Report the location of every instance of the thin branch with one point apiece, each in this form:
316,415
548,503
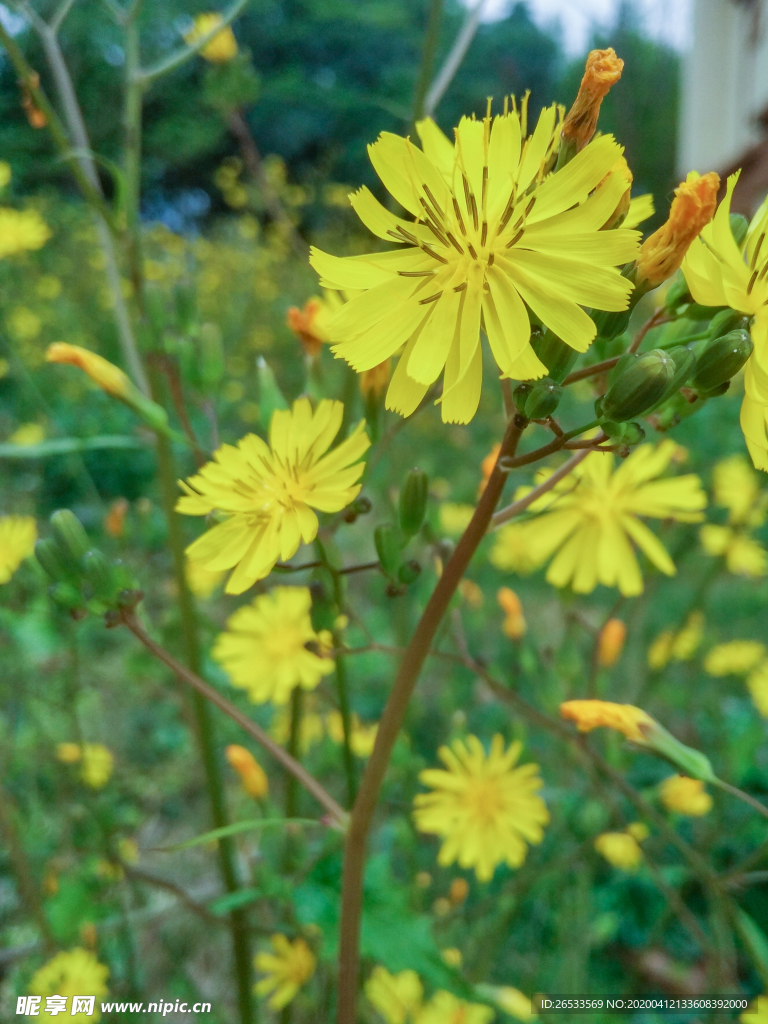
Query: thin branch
741,795
336,812
452,62
148,75
56,21
140,875
591,371
659,317
522,503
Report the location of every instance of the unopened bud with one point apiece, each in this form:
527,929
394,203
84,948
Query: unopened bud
49,555
409,572
610,643
543,399
727,320
685,360
413,502
66,595
640,385
721,359
520,395
252,775
70,535
555,354
97,572
387,543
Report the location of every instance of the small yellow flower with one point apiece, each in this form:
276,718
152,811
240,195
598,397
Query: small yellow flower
452,956
21,230
485,810
685,796
110,378
17,542
620,849
736,657
638,830
458,891
692,209
514,625
75,972
632,722
270,492
397,997
471,593
27,434
681,646
454,517
610,643
222,47
287,968
202,581
744,556
362,737
757,684
445,1008
736,487
264,648
602,72
252,775
97,763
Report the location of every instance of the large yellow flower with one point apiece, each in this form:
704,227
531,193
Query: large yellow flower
593,515
494,232
718,273
268,492
482,807
17,542
75,972
287,968
264,648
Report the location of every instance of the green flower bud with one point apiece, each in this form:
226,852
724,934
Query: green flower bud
413,502
739,225
211,356
520,394
98,575
66,595
639,386
70,535
611,325
684,359
721,359
409,572
555,354
727,320
49,555
543,399
633,433
687,760
695,311
388,546
270,395
714,392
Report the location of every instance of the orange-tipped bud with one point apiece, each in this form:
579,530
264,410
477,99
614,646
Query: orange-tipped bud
374,382
35,116
252,775
603,70
692,209
458,891
633,722
514,625
611,642
307,325
108,376
114,520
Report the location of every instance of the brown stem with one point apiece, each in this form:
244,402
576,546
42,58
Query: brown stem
140,875
311,784
392,720
591,371
522,503
659,317
171,374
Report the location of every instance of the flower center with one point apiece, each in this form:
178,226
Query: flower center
484,800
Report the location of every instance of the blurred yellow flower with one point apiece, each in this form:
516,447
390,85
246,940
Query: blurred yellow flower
744,556
638,830
677,646
610,642
97,763
311,728
452,956
632,722
620,849
264,648
17,542
494,232
757,684
510,1000
75,972
110,378
514,625
222,47
484,809
397,997
454,517
445,1008
68,753
736,487
5,173
458,891
593,515
27,434
252,775
685,796
736,657
269,492
471,593
287,968
21,230
362,737
202,581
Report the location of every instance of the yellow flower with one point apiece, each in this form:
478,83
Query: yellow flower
485,810
494,233
677,646
620,849
736,657
692,209
264,649
397,997
252,775
624,718
640,209
719,273
269,491
68,753
75,972
603,70
757,1013
445,1008
514,625
362,737
593,516
110,378
201,581
458,891
610,642
222,47
511,1000
17,542
736,487
638,830
685,796
288,967
27,434
454,517
757,684
744,556
21,230
97,763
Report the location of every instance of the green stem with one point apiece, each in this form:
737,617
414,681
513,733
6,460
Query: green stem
391,723
132,125
741,795
431,39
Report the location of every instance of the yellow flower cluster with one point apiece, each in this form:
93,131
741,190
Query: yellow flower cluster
743,658
736,487
399,999
289,966
680,645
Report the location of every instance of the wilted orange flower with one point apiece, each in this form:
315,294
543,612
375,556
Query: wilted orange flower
624,718
692,209
603,70
252,775
611,642
514,625
307,325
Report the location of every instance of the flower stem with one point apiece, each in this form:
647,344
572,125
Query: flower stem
428,53
392,720
25,879
291,789
741,795
343,692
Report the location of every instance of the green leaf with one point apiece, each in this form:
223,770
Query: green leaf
235,900
233,829
755,942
